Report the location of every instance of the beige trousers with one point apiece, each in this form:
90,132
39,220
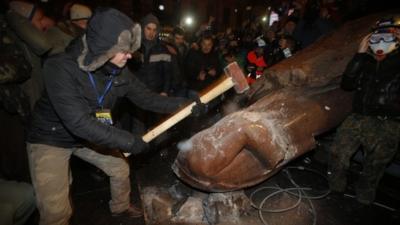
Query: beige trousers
50,172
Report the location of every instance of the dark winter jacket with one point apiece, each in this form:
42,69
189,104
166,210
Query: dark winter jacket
178,81
156,69
376,84
197,61
64,116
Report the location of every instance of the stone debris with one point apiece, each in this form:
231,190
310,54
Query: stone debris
169,206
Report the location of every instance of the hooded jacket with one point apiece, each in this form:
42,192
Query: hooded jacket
64,116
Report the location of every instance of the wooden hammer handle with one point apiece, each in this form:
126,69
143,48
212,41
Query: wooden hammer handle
206,97
217,90
172,120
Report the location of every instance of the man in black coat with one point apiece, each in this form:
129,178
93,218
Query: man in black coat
178,48
202,66
82,86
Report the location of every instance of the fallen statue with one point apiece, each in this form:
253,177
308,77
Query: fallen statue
248,146
296,100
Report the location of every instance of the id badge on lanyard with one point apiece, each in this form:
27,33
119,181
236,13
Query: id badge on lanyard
102,115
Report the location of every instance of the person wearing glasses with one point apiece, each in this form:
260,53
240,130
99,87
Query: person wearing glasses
373,75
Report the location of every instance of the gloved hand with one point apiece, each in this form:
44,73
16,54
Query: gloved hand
198,109
139,146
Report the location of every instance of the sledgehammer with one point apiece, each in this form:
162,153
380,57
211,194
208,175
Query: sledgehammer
233,77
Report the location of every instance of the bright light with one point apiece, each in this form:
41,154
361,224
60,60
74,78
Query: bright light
248,8
236,10
188,20
161,7
264,18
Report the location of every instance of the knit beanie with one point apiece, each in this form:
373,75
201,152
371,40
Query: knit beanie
79,12
150,18
24,9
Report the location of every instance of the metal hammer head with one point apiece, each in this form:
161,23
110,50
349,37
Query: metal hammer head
239,79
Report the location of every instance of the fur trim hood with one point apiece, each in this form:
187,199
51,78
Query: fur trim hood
109,31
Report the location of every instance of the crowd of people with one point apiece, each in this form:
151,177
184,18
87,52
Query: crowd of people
62,81
254,45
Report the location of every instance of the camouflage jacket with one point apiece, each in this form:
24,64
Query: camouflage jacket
14,70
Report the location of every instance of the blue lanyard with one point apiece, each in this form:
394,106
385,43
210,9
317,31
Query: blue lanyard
100,98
